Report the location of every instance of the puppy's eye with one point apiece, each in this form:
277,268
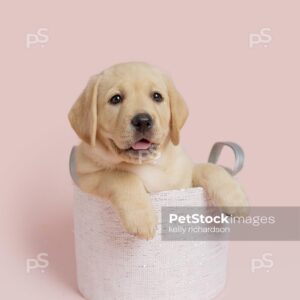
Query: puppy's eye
157,97
116,99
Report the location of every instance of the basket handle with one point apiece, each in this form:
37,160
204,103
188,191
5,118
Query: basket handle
72,166
238,154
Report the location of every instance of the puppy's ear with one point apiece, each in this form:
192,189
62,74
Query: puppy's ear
179,112
83,114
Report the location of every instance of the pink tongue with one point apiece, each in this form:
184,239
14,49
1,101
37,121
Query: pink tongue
141,145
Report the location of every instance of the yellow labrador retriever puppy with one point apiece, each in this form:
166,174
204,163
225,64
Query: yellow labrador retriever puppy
128,118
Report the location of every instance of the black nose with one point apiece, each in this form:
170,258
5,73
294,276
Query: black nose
142,122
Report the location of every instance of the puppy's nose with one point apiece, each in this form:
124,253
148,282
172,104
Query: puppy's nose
142,122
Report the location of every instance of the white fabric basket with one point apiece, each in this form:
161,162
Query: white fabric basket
113,265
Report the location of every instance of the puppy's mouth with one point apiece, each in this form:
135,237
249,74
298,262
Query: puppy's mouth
141,150
142,144
142,147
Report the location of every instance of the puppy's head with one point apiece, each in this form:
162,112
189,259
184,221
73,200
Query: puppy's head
131,109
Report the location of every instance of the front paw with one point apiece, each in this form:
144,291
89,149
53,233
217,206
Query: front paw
221,188
233,200
140,220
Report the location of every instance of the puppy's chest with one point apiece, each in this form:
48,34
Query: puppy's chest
156,179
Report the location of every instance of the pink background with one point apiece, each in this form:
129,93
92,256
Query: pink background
234,92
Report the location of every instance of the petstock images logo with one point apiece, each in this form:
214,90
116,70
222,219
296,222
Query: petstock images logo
209,223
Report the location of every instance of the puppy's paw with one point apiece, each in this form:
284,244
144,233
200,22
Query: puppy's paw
233,200
221,188
140,221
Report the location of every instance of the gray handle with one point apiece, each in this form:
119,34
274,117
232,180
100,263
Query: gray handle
238,154
72,165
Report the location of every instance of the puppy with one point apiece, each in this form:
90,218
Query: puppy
129,119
